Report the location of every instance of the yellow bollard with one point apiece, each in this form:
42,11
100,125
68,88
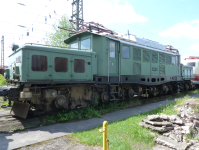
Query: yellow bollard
105,135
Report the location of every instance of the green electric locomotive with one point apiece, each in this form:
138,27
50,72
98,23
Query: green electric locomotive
113,68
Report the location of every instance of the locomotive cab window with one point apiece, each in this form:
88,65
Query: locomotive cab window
79,65
74,45
61,64
112,49
39,63
173,60
86,44
125,52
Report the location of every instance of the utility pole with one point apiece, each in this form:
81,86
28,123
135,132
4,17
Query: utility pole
2,52
77,13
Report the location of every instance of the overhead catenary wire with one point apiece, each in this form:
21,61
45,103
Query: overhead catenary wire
28,13
21,18
23,26
4,33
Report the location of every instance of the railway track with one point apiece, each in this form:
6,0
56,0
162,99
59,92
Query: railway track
9,123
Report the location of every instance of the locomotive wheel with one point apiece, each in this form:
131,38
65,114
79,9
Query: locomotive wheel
131,93
105,97
61,102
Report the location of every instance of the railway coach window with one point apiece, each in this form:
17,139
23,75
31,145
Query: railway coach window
86,44
39,63
112,49
61,64
79,65
192,64
125,52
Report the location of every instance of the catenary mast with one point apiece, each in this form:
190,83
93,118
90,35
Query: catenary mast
77,13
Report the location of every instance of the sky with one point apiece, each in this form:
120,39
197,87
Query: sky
169,22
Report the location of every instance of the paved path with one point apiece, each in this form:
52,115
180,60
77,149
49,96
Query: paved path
39,134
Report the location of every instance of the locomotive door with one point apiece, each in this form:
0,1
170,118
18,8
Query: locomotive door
81,68
112,57
40,66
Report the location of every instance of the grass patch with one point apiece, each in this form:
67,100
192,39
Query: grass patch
127,134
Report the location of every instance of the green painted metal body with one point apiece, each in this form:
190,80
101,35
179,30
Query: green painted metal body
101,64
22,59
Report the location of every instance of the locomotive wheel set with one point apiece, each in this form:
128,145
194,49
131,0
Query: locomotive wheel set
95,65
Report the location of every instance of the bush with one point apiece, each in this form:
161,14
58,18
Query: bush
2,80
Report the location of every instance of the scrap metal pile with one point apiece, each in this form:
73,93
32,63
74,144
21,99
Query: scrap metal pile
175,129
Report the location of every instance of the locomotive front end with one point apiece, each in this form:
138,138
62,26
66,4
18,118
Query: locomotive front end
42,79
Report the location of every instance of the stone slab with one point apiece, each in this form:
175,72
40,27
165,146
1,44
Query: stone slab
163,140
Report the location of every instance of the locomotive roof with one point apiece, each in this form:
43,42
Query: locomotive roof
134,40
40,47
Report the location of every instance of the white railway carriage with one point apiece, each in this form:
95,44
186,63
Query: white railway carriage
193,61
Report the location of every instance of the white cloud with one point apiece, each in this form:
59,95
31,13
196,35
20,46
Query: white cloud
105,12
194,47
188,29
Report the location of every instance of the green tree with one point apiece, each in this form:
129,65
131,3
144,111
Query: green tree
2,80
59,35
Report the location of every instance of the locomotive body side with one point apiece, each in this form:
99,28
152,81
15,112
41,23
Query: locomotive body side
102,67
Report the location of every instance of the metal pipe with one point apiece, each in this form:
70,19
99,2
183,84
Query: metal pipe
104,130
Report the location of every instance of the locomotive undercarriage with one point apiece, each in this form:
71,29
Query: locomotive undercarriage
40,99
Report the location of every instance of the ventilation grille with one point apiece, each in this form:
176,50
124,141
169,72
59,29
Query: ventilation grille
146,56
154,57
162,58
136,68
136,54
162,69
168,59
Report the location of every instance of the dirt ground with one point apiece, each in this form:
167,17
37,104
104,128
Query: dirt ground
61,143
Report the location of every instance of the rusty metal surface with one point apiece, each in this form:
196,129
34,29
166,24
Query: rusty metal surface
89,26
20,109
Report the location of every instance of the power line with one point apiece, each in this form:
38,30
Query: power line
21,18
27,12
20,35
23,26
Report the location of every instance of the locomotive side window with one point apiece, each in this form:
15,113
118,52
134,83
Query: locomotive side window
112,49
192,64
79,65
74,45
61,64
125,52
86,44
39,63
173,60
